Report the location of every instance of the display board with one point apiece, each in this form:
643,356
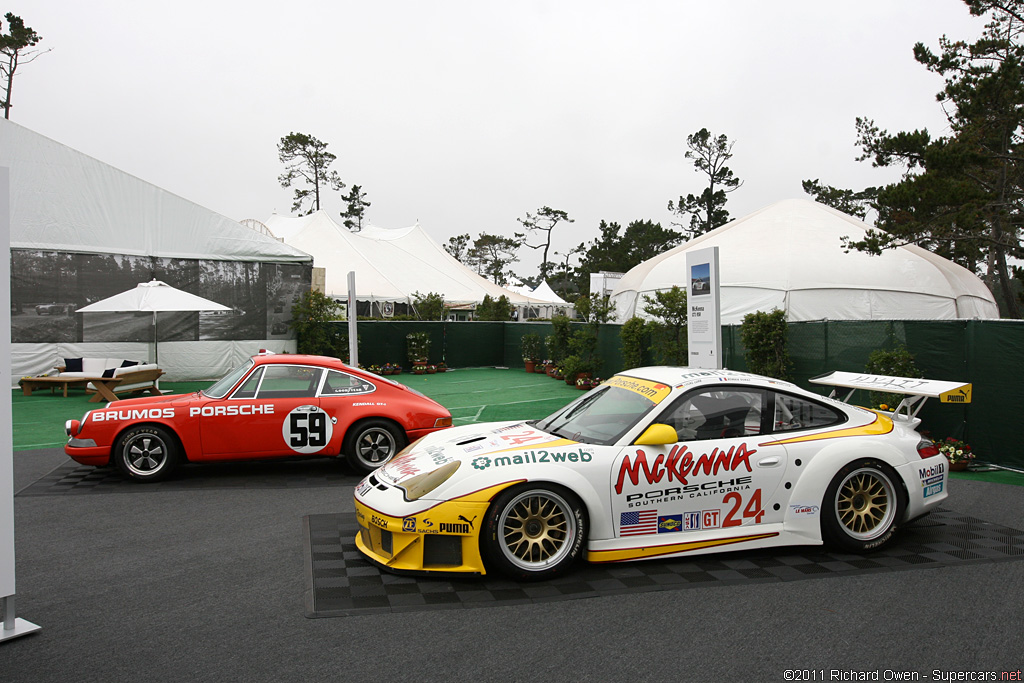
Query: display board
704,326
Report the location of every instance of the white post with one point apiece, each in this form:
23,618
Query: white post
704,318
13,627
353,338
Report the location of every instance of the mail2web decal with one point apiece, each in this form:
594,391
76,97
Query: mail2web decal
307,429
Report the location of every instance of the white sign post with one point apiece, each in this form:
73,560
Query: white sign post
704,325
353,335
12,626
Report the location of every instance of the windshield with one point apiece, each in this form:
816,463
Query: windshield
599,417
222,387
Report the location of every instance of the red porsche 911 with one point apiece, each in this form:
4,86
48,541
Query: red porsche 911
271,406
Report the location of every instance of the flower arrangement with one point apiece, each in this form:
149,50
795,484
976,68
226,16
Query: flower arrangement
956,451
376,369
431,369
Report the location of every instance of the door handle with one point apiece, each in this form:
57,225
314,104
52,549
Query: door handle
773,461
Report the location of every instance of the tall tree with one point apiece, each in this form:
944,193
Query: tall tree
356,204
491,256
14,48
543,222
617,253
458,246
707,210
306,159
849,202
962,195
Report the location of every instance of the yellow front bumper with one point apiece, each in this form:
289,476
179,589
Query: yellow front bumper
445,538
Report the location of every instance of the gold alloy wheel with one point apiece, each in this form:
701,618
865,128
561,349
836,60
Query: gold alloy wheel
866,503
537,529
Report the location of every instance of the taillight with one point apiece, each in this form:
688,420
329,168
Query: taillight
927,449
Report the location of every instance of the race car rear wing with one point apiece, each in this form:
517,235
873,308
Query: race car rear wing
915,390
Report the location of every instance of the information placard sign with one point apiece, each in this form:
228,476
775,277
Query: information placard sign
704,324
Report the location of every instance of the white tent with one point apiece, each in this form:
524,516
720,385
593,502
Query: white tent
390,265
82,230
788,255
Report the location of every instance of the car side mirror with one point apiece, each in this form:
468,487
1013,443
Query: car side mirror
657,435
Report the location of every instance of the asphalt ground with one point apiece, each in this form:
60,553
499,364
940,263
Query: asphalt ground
207,584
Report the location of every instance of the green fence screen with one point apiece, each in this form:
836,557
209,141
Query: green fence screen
987,353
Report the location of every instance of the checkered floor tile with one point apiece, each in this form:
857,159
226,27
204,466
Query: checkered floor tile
73,479
340,583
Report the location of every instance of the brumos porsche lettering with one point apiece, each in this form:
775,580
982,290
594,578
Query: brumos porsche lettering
133,414
247,409
680,463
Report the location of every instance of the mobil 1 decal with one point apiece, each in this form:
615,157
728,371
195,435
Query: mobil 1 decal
307,429
673,490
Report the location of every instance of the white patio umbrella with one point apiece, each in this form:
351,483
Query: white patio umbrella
155,296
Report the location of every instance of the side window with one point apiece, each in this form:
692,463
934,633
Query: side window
342,384
716,414
798,413
289,381
249,387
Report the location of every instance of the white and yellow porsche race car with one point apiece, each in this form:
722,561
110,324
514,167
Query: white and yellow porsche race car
657,462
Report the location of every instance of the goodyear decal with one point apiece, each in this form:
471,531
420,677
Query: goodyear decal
655,391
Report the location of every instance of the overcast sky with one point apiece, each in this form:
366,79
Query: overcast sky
465,115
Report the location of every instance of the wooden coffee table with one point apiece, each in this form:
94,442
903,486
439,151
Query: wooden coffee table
104,385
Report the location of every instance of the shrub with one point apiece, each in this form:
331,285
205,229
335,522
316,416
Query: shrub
764,337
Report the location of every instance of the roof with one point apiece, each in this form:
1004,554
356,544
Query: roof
390,265
64,200
788,255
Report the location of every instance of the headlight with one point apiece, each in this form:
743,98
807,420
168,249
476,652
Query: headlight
422,484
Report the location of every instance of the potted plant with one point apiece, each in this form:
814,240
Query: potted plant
417,346
530,345
442,367
431,369
957,452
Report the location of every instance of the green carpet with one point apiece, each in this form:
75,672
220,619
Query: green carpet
471,394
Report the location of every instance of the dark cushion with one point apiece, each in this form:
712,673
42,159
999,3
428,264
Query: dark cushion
109,372
72,364
129,363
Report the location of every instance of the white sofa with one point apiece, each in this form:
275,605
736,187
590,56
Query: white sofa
136,376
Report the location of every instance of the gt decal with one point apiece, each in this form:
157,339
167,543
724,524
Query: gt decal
247,409
307,429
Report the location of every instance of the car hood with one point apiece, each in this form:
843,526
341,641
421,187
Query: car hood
470,444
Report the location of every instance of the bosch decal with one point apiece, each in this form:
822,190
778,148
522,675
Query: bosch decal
247,409
136,414
483,462
680,463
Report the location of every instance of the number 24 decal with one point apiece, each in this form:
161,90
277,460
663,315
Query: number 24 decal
752,510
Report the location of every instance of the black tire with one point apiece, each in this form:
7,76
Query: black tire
862,506
371,443
148,453
533,532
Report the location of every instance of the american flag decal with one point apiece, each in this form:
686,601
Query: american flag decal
637,523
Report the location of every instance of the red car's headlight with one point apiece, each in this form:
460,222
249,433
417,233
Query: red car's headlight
443,422
72,427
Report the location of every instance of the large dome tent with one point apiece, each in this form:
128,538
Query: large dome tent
789,256
391,265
